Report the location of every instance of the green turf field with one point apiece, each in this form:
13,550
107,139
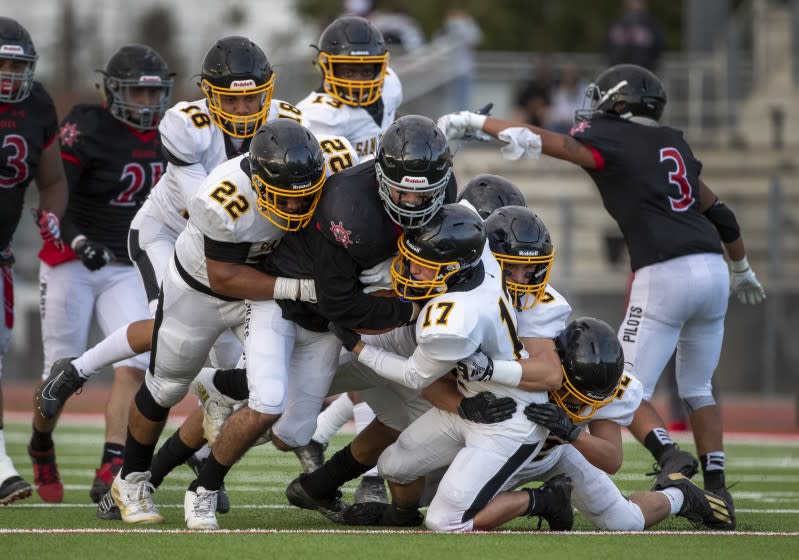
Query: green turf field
765,474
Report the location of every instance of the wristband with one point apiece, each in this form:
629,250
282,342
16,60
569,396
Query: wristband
507,372
285,288
75,242
741,265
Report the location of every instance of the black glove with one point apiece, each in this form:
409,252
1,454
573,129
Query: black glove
486,408
554,418
477,367
348,338
93,255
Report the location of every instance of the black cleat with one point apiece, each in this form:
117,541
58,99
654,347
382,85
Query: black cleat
329,507
725,495
370,489
311,456
700,507
107,509
222,499
62,383
13,489
674,460
557,493
380,514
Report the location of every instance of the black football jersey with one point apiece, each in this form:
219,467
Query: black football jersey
110,168
349,232
648,178
26,129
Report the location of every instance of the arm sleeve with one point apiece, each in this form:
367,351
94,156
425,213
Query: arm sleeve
340,296
416,372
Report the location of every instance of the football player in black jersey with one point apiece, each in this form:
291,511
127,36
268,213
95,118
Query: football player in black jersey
674,227
28,151
112,157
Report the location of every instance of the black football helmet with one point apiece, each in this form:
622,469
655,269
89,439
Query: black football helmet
132,68
489,192
593,364
413,165
518,237
450,244
16,44
237,67
352,40
639,89
287,170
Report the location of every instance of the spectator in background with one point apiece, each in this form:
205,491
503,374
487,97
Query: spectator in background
461,29
637,38
400,30
534,97
567,97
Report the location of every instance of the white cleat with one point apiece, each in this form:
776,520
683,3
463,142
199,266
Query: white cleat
199,509
133,496
216,406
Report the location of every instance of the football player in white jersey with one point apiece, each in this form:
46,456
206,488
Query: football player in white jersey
584,446
237,81
359,94
239,214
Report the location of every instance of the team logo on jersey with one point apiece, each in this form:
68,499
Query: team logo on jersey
579,127
341,234
68,134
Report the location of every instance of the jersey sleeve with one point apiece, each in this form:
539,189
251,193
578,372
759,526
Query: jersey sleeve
599,135
186,132
392,91
76,131
210,218
445,329
416,372
280,109
323,115
546,319
628,397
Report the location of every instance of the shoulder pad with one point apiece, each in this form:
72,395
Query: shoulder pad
79,124
280,109
392,91
186,131
323,114
445,327
338,152
547,318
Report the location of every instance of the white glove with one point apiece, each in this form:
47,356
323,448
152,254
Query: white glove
456,125
288,288
377,277
744,283
520,142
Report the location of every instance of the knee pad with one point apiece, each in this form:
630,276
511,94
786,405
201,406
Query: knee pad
701,401
623,515
268,397
148,407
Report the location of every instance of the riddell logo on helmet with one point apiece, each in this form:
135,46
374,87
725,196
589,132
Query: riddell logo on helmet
525,253
300,186
359,53
11,49
407,180
415,248
242,84
150,80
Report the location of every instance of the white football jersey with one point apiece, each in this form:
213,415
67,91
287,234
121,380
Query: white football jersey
323,114
547,318
623,407
224,209
188,132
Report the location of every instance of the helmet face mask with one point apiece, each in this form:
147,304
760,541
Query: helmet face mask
593,364
413,167
16,45
287,171
238,83
627,90
438,255
354,42
520,242
137,86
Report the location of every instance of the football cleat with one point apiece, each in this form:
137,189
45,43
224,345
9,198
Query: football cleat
103,478
700,507
216,406
61,384
311,456
329,507
674,460
725,495
380,514
556,492
370,489
133,497
107,509
222,498
199,509
13,489
45,475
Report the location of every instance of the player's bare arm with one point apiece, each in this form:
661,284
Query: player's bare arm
542,370
601,445
239,280
51,181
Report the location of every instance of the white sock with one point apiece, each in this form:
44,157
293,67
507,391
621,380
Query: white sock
676,498
7,469
363,416
332,418
114,348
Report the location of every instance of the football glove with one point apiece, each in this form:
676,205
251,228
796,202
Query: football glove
456,125
93,255
377,277
486,408
49,225
555,419
477,367
744,283
348,338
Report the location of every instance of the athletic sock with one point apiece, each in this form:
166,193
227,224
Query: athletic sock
658,442
333,418
342,467
114,348
173,453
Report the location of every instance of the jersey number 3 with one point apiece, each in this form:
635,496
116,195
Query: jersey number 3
679,180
